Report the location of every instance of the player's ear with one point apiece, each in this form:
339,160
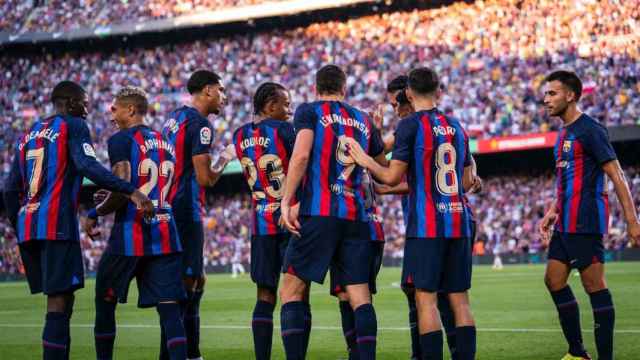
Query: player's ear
410,95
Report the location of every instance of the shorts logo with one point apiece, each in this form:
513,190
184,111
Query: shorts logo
88,150
442,207
566,146
205,136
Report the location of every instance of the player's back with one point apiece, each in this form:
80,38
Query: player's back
333,185
152,160
264,149
439,155
191,134
51,180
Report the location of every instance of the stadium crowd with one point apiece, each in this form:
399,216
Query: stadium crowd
508,210
492,56
66,15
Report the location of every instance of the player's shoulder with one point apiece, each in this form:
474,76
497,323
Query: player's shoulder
278,125
69,120
308,107
591,123
240,130
120,137
585,126
410,122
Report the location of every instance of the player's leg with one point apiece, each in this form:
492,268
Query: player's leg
262,322
429,326
590,259
410,293
448,322
353,261
292,323
456,281
160,286
346,313
555,278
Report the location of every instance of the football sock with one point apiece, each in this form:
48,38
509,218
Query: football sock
192,323
366,331
431,344
104,330
349,329
68,313
466,343
262,327
448,322
604,318
413,326
307,328
569,314
293,329
174,330
55,336
164,354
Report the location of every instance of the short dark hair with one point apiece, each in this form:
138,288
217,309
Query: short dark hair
423,81
66,90
398,83
330,79
134,95
568,79
266,92
200,79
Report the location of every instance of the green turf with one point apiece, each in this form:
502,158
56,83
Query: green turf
515,317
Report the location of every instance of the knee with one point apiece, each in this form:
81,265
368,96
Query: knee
293,289
200,283
62,303
593,285
554,284
267,295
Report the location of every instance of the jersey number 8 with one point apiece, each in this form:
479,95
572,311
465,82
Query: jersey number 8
446,170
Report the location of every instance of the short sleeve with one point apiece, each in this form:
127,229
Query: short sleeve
376,146
467,150
201,135
304,118
404,142
119,148
596,142
288,136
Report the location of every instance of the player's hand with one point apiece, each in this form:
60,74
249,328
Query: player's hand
477,185
229,152
143,202
99,196
357,153
91,228
378,116
545,226
633,230
290,217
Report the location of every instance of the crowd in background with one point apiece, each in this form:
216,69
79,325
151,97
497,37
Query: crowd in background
507,212
66,15
491,55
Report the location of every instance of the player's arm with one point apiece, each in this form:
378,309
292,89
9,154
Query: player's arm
390,175
84,158
389,141
207,172
13,191
297,169
114,200
546,224
621,187
400,189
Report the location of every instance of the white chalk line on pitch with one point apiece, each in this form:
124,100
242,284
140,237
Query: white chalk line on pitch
329,328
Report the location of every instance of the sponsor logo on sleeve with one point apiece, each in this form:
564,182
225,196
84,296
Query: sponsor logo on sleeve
88,150
205,136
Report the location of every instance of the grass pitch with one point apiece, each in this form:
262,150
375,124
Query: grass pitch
515,316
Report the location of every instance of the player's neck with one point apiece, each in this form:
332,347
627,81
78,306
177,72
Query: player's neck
202,108
571,115
424,104
332,97
133,123
259,118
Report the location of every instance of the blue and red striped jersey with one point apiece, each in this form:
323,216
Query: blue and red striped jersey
191,134
371,208
264,150
50,162
152,161
582,200
333,182
436,149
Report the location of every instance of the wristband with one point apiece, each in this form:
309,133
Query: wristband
93,214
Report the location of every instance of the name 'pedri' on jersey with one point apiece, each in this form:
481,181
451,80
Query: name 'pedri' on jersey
436,148
582,200
264,150
50,162
191,134
333,182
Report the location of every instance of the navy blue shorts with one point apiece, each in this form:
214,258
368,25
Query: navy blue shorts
578,251
52,266
330,241
267,254
437,264
192,239
159,278
377,252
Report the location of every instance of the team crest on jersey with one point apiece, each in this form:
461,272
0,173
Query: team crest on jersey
205,136
88,150
566,146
